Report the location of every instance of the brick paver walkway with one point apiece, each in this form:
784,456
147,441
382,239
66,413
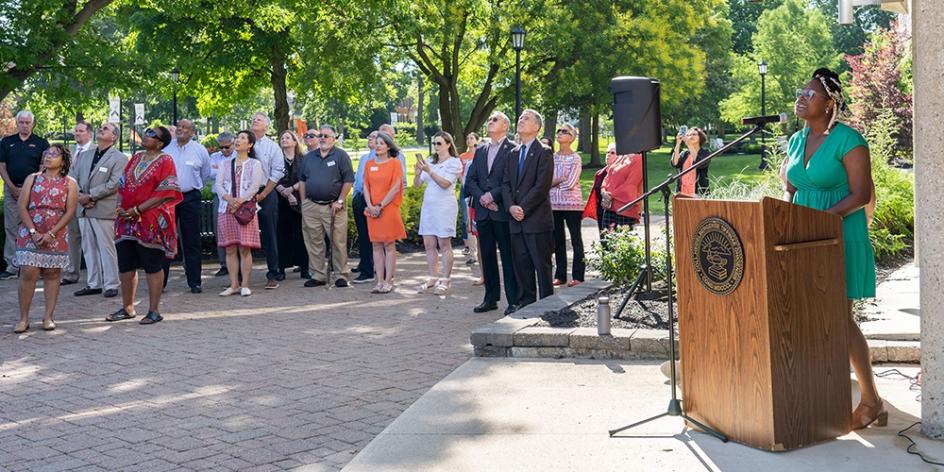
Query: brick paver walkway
284,379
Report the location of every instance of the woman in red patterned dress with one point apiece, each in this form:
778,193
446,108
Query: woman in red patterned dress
41,244
145,233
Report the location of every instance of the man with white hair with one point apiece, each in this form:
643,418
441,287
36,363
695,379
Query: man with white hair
20,156
226,141
273,167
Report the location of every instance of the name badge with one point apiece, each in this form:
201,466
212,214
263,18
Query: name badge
374,168
189,163
103,169
330,163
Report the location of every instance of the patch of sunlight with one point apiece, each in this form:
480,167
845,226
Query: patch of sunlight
128,386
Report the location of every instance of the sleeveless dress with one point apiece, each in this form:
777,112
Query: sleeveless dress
822,183
378,179
440,207
47,205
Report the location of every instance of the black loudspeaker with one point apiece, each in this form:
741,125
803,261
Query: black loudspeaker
637,116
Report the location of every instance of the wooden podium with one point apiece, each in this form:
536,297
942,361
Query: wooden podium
766,363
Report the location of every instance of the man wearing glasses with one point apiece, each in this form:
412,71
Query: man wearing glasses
312,140
97,171
484,186
325,179
225,141
20,156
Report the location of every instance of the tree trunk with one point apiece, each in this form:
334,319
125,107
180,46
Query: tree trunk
550,125
277,61
594,141
420,132
584,130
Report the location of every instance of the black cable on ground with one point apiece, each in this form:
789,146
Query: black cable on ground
911,447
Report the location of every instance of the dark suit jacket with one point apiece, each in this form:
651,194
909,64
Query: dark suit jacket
480,181
531,190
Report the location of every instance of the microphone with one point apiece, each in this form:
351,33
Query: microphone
763,120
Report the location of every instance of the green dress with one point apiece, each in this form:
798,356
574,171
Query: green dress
822,184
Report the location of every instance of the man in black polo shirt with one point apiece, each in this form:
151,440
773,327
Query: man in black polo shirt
326,177
20,156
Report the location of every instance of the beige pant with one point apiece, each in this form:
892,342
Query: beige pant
101,257
316,222
11,222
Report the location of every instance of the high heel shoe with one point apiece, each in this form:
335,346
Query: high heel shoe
864,415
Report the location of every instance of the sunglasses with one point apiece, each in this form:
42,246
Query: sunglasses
565,131
439,143
312,135
326,136
226,147
51,153
493,119
150,133
808,94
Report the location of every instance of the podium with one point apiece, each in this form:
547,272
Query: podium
763,320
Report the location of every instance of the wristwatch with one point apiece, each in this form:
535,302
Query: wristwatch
341,202
32,230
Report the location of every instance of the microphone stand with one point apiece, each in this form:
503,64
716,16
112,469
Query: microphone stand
675,405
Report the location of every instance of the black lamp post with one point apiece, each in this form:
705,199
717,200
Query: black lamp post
762,69
517,42
175,74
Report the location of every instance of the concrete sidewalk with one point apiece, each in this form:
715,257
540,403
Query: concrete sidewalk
514,415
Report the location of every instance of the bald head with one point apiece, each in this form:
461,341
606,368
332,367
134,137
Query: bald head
185,131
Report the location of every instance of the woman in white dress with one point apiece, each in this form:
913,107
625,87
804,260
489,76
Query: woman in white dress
440,209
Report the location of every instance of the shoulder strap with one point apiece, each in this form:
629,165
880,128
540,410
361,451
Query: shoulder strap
232,184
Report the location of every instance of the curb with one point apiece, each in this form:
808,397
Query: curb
517,336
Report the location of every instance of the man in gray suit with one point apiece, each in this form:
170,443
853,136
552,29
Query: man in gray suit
83,142
97,173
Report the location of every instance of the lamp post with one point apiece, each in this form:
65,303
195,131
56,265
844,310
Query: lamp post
175,74
517,43
762,69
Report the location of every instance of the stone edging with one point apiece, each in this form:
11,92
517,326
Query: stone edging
517,336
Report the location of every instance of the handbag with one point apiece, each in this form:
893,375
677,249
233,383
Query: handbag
247,211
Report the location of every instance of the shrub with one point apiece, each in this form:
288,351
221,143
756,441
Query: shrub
619,256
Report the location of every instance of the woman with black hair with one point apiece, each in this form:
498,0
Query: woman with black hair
383,192
145,228
42,248
692,183
238,182
828,168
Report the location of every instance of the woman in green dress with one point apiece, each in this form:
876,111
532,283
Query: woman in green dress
828,168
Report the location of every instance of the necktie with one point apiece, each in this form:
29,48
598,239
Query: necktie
521,158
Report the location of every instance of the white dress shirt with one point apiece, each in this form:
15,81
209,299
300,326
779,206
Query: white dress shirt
273,161
192,162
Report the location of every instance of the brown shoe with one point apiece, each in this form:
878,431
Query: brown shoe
272,284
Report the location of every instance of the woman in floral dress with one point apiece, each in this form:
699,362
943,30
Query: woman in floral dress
42,247
145,233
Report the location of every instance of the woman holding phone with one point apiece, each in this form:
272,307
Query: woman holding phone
440,209
692,183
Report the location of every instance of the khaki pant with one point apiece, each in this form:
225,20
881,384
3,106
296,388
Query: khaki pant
101,257
316,222
11,222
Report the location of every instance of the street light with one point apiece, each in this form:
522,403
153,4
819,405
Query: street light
762,69
517,42
175,74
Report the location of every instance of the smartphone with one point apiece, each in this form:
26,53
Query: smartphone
683,129
419,158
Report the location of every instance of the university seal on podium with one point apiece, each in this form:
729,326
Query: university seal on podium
717,256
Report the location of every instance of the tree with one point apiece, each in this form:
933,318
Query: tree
743,15
806,31
39,34
867,19
876,86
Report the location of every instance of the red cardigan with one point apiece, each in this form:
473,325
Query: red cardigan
624,182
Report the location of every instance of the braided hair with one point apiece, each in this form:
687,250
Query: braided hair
830,82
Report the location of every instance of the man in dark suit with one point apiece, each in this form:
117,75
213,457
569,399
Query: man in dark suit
529,171
483,185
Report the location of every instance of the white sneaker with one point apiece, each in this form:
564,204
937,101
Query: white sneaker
245,291
229,291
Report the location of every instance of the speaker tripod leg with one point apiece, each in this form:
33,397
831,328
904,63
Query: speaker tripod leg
624,428
705,429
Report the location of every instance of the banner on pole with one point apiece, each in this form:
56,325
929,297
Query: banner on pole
114,110
138,113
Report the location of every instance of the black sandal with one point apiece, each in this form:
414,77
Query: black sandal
151,318
119,315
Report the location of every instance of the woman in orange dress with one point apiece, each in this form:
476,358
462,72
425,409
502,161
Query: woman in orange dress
383,192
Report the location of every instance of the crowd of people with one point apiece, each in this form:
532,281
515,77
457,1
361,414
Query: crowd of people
121,215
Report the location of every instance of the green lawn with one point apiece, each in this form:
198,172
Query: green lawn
725,168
